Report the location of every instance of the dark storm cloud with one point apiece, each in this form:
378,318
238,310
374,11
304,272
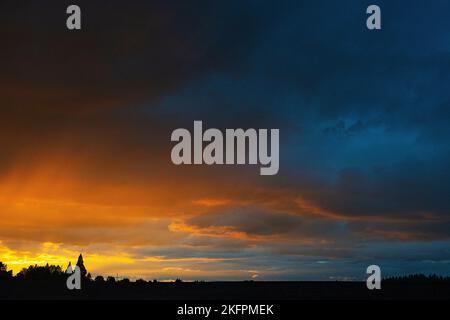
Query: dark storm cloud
363,116
409,189
260,222
124,51
77,90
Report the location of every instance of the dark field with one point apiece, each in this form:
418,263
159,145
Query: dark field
227,290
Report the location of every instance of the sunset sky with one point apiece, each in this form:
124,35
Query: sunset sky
364,118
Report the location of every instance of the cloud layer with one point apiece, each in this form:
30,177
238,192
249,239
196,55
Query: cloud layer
86,119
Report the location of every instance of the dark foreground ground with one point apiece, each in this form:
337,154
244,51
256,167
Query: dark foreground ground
228,291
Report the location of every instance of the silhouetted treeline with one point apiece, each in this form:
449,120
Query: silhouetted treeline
49,282
433,278
4,273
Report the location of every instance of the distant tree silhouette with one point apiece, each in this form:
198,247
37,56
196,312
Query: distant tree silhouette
417,278
47,272
49,282
80,264
4,273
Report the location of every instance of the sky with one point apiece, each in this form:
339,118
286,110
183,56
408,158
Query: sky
364,120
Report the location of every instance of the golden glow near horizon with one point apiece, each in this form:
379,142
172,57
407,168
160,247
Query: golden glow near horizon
50,215
165,228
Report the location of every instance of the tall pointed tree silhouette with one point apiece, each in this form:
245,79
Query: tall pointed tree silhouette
80,265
